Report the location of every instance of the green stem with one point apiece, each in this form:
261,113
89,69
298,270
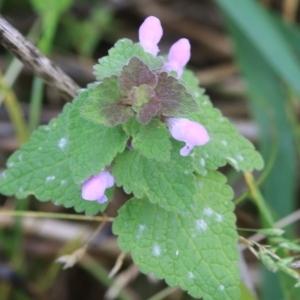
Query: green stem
268,222
16,66
49,25
241,198
35,103
263,176
264,210
17,238
15,112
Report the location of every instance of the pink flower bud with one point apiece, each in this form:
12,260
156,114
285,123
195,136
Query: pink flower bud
150,33
94,188
192,133
179,55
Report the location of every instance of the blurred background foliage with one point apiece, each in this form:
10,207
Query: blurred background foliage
247,57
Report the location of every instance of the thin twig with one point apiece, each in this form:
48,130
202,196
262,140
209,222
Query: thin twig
290,8
121,281
118,265
164,293
36,214
96,232
23,49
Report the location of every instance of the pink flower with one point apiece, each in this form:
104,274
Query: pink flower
192,133
179,55
150,33
94,188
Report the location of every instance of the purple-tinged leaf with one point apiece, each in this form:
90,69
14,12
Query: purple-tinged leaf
104,105
140,95
92,147
148,110
134,74
173,96
119,56
116,114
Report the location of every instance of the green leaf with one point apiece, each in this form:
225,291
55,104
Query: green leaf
92,146
170,184
120,54
104,104
152,140
195,250
42,168
226,145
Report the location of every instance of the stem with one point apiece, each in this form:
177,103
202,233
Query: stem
15,112
99,228
267,218
162,294
268,222
241,198
49,25
35,103
15,67
17,238
263,176
35,214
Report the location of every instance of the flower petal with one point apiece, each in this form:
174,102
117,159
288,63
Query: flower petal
150,33
179,55
102,199
185,151
110,180
192,133
93,189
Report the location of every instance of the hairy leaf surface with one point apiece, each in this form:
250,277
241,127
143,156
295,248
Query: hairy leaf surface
194,249
42,167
